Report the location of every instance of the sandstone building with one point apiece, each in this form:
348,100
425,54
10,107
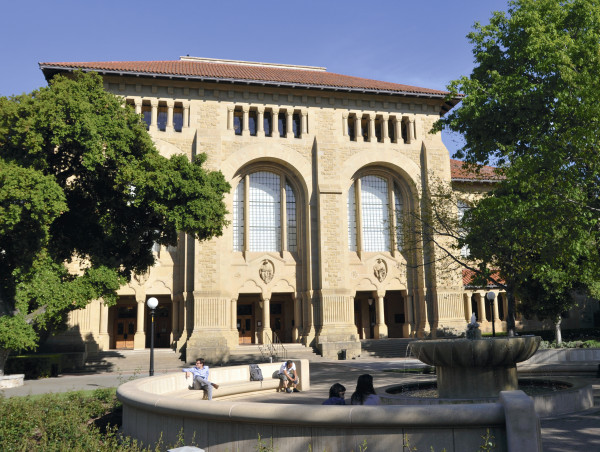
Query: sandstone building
323,169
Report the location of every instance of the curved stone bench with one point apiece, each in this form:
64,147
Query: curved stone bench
231,380
158,409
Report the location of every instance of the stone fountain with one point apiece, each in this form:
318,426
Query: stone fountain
475,367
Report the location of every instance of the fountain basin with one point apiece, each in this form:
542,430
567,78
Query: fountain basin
570,396
468,368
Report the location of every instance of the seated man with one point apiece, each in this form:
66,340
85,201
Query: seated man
200,375
288,376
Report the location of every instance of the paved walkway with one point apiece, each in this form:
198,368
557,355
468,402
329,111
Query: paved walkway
578,431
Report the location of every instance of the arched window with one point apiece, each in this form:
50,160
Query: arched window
374,214
264,213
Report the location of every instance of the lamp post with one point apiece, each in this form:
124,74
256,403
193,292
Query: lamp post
490,296
152,304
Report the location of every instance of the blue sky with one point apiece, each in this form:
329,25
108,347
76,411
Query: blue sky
416,43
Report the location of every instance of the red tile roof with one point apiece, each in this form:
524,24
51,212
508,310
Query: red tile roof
228,71
469,275
485,173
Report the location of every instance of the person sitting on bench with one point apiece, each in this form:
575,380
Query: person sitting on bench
200,374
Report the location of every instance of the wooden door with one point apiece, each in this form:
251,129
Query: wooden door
162,327
125,327
245,323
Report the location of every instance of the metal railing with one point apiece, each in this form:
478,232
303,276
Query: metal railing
273,349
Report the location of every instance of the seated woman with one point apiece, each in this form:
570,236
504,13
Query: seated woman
365,392
336,395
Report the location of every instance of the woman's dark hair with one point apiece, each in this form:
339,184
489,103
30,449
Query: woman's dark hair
335,390
364,388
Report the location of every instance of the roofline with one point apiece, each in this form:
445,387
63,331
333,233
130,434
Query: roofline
458,179
45,67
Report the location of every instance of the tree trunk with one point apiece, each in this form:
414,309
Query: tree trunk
557,331
510,315
3,357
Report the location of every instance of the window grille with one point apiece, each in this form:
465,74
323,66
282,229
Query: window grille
398,211
352,219
238,217
375,214
290,201
264,212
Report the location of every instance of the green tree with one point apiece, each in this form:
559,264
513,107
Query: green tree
532,107
81,183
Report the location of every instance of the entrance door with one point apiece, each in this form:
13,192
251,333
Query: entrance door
277,321
245,323
358,318
124,327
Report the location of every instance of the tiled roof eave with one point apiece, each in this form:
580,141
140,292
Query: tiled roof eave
44,67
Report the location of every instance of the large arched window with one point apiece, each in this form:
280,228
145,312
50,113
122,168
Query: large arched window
264,213
374,214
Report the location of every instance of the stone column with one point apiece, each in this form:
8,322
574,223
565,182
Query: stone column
410,132
275,122
170,106
138,106
309,322
408,328
234,314
480,299
296,319
229,118
267,334
246,115
398,126
381,330
289,126
186,116
357,128
153,115
260,119
385,136
372,137
345,124
304,123
175,319
139,340
104,336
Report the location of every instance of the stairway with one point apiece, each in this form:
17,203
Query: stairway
250,353
129,361
385,348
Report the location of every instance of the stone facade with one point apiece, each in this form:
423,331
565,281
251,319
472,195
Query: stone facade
332,277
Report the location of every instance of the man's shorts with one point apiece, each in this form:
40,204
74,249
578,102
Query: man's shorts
283,377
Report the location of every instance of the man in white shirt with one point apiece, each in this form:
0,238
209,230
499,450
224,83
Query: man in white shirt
289,376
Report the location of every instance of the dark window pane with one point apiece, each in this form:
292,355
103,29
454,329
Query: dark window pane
252,123
178,119
238,122
268,118
364,127
351,132
378,130
147,114
392,129
296,125
404,131
282,125
161,120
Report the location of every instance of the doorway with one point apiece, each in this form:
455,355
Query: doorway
125,324
277,321
245,323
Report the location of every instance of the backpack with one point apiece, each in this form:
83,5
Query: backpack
255,373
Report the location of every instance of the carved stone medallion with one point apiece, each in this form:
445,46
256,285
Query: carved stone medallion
380,269
266,271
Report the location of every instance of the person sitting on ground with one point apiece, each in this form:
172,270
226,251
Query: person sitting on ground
365,392
336,395
200,374
288,376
